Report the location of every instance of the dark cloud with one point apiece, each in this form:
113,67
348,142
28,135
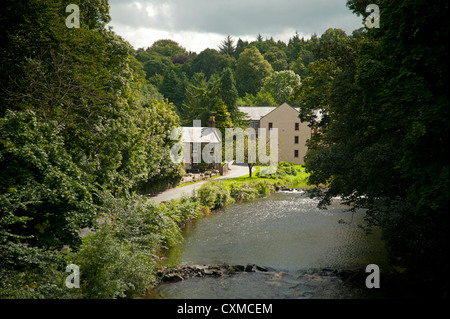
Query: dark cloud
234,17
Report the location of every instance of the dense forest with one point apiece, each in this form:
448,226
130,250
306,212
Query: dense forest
78,130
263,72
85,122
382,139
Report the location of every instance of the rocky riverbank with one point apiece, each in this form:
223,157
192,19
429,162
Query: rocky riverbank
183,272
175,274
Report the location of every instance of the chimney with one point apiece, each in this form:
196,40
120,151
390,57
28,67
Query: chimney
212,121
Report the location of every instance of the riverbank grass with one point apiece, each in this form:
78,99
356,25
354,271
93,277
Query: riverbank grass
287,175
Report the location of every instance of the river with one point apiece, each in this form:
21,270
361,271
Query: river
286,233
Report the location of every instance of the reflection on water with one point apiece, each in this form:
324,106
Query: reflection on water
285,232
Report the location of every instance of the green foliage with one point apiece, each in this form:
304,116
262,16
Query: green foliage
184,209
412,104
250,188
243,191
214,195
112,268
119,261
45,198
223,118
173,87
277,58
28,272
229,94
286,168
195,100
251,70
261,99
167,47
78,121
287,175
280,85
154,63
381,139
155,122
210,62
227,46
201,96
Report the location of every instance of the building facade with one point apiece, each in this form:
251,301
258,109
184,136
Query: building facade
194,140
292,133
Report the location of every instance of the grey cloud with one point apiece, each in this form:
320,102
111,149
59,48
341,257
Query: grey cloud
235,17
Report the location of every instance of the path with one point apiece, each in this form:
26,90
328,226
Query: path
188,190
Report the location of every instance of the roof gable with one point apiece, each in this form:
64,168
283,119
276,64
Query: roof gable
255,113
284,108
199,135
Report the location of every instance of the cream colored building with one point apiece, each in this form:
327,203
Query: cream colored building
292,133
194,140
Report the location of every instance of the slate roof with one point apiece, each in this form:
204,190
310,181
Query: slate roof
199,135
255,113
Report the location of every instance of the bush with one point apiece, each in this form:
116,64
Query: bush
44,197
243,191
113,268
286,168
265,188
250,190
32,273
214,195
143,223
184,209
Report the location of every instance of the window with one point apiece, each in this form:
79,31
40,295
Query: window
296,139
270,125
297,126
296,153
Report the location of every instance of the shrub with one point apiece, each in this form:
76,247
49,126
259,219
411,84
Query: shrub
214,195
44,197
243,191
144,223
185,209
265,188
32,273
113,268
286,168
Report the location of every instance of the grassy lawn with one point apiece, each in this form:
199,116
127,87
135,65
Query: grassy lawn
294,181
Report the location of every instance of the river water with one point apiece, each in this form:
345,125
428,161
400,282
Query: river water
286,233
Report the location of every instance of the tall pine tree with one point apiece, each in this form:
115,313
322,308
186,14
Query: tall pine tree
223,117
229,93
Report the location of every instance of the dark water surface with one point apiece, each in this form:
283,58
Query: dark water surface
285,232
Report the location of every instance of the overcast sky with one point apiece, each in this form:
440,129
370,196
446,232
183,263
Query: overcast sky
200,24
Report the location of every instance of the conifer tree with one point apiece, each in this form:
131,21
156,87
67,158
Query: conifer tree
229,93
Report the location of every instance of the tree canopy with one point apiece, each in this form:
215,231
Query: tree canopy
78,121
379,107
251,69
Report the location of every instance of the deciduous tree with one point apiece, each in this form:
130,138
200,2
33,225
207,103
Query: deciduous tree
251,69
